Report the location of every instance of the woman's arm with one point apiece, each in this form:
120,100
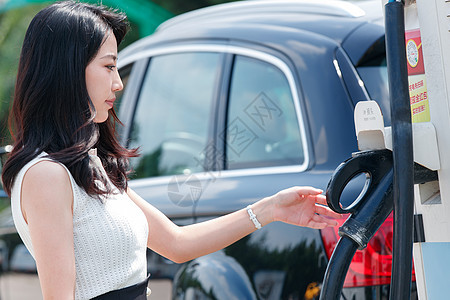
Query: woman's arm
46,203
302,206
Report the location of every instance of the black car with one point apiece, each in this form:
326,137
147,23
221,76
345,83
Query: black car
233,103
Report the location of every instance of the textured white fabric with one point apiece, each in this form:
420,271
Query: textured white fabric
110,237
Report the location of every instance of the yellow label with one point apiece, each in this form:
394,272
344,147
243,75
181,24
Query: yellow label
418,96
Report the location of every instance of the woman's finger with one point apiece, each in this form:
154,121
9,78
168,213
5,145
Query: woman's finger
326,211
323,220
307,190
318,225
320,222
321,199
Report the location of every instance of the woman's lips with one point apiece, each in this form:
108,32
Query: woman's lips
110,102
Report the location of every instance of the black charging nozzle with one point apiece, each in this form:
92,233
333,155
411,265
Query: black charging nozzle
368,211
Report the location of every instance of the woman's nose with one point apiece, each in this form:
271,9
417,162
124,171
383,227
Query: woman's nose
117,83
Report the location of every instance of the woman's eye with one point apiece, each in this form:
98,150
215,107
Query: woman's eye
111,67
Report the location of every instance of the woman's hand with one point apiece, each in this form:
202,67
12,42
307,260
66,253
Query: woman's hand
302,206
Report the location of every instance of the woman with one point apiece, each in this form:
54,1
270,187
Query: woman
67,174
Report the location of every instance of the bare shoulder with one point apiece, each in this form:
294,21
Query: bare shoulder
47,172
46,180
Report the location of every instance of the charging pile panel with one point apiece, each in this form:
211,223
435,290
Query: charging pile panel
427,25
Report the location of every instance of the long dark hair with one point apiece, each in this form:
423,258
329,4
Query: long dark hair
52,111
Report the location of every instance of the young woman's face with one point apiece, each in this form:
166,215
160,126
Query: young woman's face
102,78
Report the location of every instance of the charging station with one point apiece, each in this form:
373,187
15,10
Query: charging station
427,25
407,165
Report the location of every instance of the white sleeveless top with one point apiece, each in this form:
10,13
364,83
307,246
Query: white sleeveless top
110,237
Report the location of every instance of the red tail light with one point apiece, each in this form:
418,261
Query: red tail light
371,266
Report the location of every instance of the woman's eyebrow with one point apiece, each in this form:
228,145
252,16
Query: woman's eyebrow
114,57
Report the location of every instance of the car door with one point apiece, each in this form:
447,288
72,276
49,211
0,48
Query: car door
262,148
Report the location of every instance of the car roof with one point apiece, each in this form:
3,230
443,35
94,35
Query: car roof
292,13
273,22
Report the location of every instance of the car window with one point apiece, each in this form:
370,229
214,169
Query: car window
375,78
124,75
262,125
173,112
